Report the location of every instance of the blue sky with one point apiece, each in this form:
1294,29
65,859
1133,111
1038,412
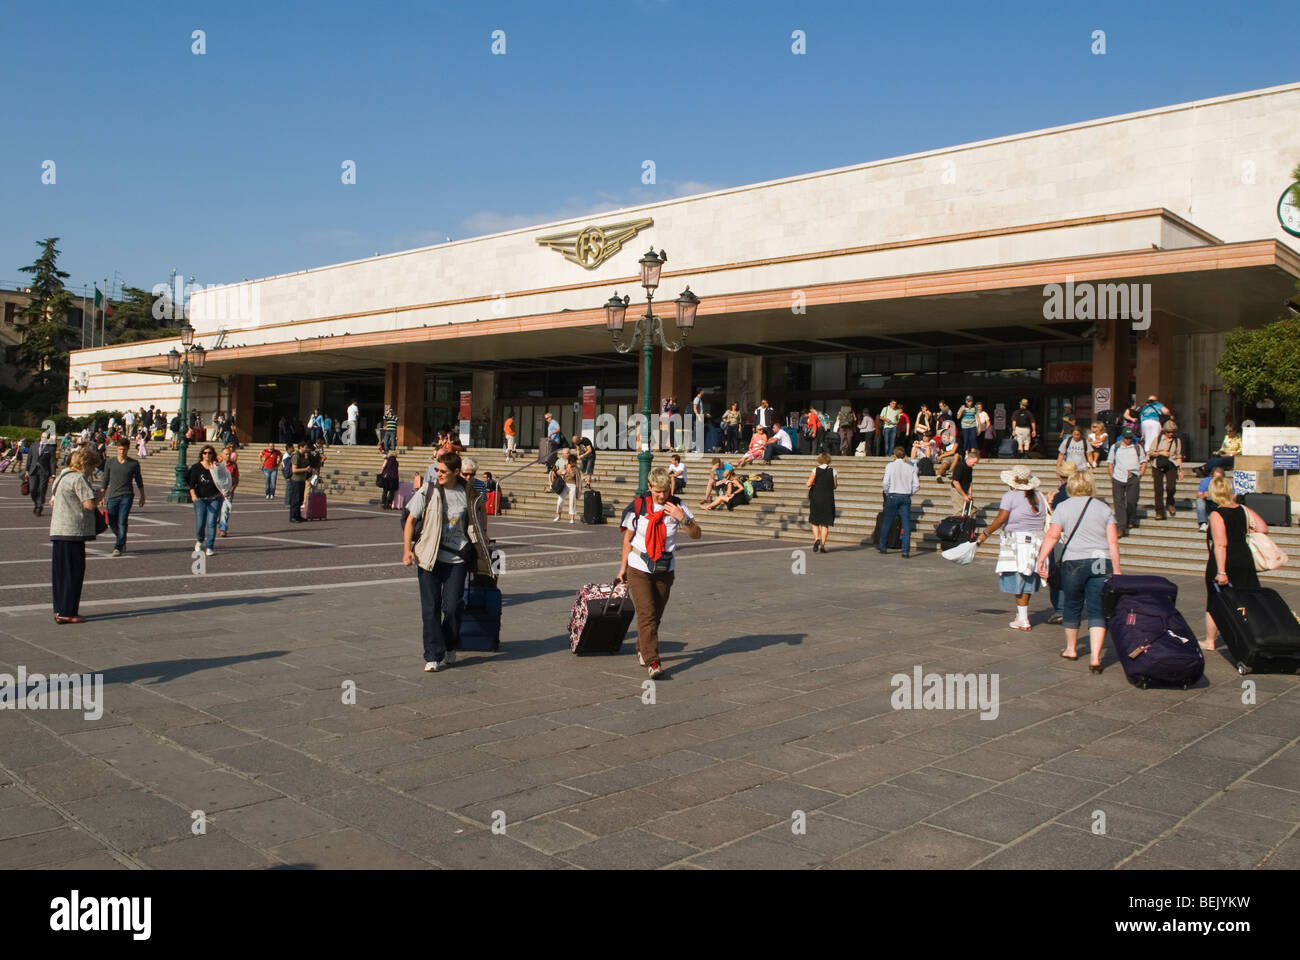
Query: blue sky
228,165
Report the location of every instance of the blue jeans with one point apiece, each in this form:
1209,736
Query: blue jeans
297,492
1202,509
1081,583
888,450
390,439
205,521
270,480
223,515
119,509
969,440
442,604
896,504
1225,462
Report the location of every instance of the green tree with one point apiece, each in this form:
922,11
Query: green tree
1261,363
47,338
133,318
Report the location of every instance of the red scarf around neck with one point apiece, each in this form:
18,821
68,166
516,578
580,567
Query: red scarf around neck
656,534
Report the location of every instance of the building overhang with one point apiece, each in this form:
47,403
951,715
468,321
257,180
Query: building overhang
1214,287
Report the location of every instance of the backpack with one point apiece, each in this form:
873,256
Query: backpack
749,488
824,420
286,466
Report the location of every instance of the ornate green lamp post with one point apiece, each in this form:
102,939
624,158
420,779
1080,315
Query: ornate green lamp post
183,367
649,331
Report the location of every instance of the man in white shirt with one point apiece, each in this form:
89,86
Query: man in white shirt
350,428
129,419
1126,464
899,483
781,445
867,427
650,526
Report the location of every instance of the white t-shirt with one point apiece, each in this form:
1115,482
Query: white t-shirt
638,525
783,439
354,412
678,470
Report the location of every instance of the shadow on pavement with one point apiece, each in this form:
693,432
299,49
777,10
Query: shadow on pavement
166,670
196,605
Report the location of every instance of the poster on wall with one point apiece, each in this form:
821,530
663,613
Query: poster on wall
465,417
589,413
1100,400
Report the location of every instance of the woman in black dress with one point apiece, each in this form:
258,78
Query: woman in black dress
821,500
1230,560
390,480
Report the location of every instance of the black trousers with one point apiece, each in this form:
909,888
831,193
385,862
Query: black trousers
67,573
297,493
1125,500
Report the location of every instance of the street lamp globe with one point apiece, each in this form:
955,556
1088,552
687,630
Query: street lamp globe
199,355
173,362
187,335
651,264
616,312
687,304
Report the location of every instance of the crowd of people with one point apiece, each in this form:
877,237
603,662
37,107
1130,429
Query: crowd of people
1068,541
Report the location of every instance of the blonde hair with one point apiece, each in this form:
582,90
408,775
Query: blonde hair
823,458
658,478
1067,470
1080,484
82,459
1221,491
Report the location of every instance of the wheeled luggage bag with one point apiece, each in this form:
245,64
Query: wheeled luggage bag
1273,508
1155,645
1261,632
956,529
895,535
316,505
480,625
600,618
593,508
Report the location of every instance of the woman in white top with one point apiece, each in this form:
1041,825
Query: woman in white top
650,526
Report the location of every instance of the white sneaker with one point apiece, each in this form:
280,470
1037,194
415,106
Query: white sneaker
571,519
209,552
430,667
197,546
1203,527
640,659
557,519
449,658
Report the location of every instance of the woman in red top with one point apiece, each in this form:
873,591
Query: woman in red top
271,458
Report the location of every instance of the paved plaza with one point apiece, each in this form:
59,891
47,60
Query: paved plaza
226,740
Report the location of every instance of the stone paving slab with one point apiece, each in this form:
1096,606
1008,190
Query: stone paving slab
778,705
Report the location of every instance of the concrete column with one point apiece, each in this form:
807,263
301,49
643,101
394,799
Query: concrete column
483,408
241,404
404,391
1155,359
744,382
1110,361
309,398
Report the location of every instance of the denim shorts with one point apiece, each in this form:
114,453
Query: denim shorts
1081,585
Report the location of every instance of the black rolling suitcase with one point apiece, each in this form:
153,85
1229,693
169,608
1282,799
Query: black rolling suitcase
1261,632
593,510
956,529
895,535
600,618
1273,508
480,625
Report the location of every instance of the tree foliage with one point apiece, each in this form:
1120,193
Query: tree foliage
133,318
1264,363
47,338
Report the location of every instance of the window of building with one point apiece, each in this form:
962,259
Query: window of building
11,313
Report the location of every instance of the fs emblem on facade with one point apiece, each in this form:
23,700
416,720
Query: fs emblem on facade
592,246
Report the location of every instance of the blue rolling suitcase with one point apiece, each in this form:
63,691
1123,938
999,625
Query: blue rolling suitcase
480,625
1155,645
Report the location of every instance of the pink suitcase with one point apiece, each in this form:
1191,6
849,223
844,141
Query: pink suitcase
315,505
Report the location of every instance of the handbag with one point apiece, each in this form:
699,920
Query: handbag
101,522
1266,554
557,485
26,488
1054,571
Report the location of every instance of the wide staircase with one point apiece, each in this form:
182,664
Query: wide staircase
1174,545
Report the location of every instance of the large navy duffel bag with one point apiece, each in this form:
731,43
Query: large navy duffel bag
1155,645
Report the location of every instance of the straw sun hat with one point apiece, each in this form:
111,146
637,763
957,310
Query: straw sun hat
1020,478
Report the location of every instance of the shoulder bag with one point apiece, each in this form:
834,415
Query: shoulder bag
1054,574
1263,550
